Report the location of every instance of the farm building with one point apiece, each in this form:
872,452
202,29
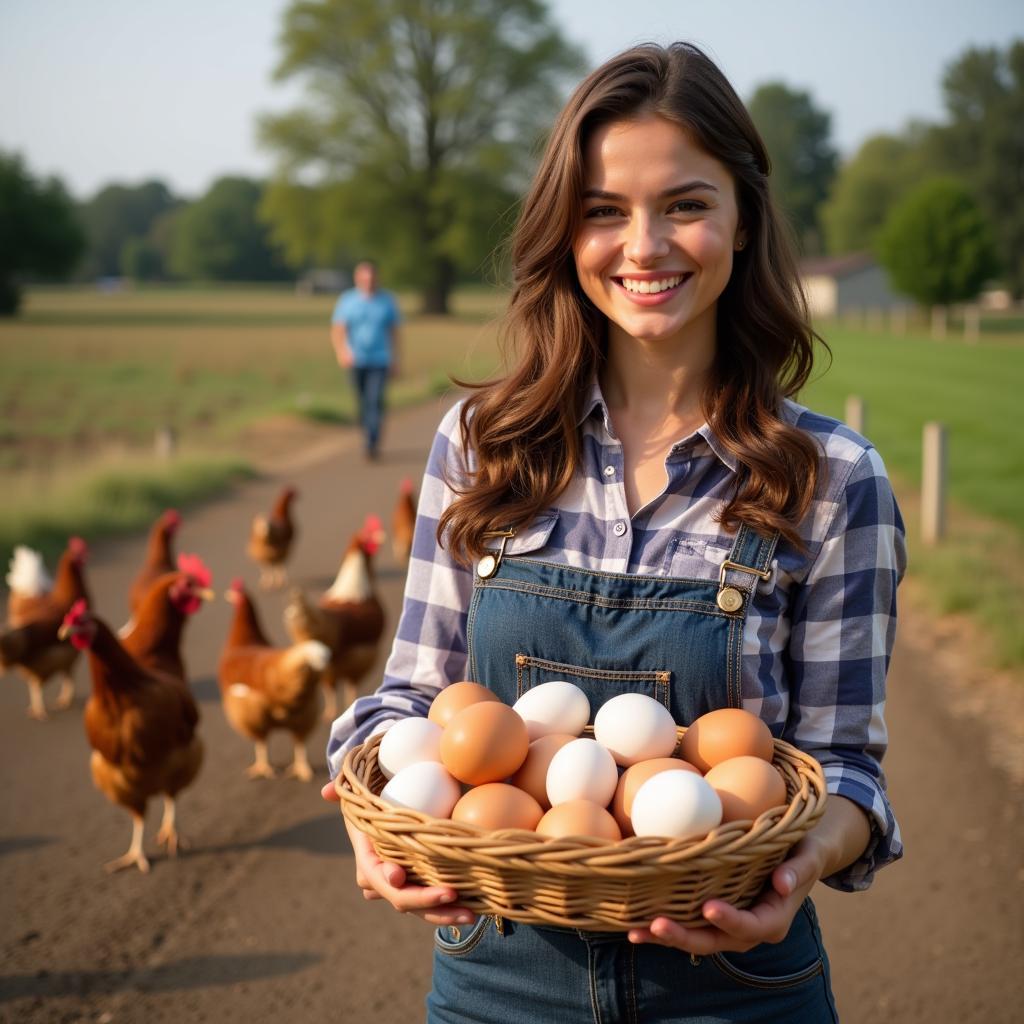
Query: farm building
842,284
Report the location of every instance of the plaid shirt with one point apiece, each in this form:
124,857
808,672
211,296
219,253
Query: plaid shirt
818,633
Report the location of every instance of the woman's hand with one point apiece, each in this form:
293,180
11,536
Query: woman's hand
382,880
737,931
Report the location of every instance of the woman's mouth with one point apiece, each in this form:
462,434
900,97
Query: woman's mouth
651,291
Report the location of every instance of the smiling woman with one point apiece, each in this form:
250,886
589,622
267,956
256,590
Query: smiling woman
673,523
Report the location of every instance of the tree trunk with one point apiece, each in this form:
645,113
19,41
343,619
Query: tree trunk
438,289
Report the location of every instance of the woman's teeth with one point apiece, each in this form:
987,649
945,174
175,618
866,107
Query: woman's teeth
651,287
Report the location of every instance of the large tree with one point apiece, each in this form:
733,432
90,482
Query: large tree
39,232
938,245
220,238
419,129
798,137
983,143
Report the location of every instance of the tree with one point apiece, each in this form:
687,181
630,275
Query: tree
220,238
39,232
983,143
867,187
937,244
116,214
798,137
417,134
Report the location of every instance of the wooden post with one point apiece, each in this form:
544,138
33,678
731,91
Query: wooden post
855,413
898,320
933,484
166,442
972,324
939,317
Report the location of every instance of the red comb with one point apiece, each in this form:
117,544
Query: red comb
172,519
407,485
372,524
77,611
194,566
78,547
237,584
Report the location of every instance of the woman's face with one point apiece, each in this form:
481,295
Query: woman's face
660,225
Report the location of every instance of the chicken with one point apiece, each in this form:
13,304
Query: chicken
35,610
154,639
349,618
403,521
142,727
270,540
159,559
265,687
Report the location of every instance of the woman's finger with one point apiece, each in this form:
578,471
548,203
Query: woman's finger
330,794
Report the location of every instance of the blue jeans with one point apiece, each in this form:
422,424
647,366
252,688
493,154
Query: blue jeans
610,633
369,383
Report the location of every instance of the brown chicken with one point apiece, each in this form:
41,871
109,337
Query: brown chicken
141,725
159,558
154,639
35,610
265,687
403,522
348,618
270,540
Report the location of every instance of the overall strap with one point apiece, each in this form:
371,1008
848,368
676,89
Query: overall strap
749,560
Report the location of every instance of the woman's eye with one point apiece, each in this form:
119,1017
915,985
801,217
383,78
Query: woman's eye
601,211
688,206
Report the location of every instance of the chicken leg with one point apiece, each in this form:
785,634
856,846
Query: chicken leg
66,697
261,768
168,834
300,768
134,855
330,702
36,704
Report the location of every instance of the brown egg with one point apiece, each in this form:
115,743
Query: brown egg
633,778
454,697
485,742
578,818
498,805
532,776
725,733
747,786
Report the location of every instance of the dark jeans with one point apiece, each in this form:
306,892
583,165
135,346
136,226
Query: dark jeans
369,383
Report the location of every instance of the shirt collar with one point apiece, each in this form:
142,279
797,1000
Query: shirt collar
595,400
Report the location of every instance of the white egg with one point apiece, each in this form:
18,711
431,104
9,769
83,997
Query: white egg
677,805
635,727
407,741
582,770
425,786
558,706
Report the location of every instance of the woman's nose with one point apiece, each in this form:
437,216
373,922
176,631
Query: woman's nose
646,240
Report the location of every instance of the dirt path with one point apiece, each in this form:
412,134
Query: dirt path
260,921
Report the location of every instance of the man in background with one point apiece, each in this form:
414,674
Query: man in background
364,333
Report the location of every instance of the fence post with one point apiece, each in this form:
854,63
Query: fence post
933,484
855,414
165,443
972,324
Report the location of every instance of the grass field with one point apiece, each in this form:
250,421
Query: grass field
87,378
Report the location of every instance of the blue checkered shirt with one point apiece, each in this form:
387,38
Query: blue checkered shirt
818,634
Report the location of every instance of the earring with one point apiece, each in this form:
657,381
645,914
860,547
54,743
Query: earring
739,245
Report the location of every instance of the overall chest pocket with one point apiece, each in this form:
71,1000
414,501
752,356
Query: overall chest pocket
694,558
598,684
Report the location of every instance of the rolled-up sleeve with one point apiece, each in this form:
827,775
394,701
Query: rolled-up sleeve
429,647
843,628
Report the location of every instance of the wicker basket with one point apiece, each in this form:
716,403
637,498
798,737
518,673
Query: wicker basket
591,884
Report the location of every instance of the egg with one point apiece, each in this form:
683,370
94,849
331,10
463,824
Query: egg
407,741
676,805
532,777
747,786
582,770
725,733
497,805
578,818
635,727
424,786
456,696
633,778
557,706
484,742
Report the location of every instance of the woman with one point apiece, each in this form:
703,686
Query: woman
671,522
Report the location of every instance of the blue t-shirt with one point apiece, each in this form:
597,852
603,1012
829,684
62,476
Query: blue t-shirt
368,321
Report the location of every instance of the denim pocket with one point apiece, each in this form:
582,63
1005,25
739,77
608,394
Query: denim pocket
595,682
460,939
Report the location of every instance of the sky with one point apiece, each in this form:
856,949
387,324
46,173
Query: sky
97,91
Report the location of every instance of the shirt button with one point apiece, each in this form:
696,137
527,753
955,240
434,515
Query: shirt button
609,471
619,529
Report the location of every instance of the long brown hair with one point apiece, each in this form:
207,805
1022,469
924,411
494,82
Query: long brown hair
523,426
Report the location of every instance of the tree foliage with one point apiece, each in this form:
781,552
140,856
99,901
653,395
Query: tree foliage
220,238
39,232
417,132
798,137
937,244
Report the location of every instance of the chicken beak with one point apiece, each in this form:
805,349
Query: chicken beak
207,594
64,632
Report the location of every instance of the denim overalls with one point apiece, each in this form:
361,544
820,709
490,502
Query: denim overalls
680,642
